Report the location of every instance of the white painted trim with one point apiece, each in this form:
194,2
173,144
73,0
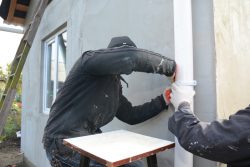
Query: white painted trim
48,42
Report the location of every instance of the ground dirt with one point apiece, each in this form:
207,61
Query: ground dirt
10,155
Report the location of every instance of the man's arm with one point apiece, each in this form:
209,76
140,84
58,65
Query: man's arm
125,60
137,114
226,141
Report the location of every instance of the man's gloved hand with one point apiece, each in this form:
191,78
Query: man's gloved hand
166,95
169,68
179,94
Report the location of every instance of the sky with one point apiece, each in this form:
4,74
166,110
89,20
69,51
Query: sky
9,43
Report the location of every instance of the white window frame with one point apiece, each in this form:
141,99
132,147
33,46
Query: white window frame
47,42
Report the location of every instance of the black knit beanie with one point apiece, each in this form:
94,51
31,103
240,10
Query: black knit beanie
119,41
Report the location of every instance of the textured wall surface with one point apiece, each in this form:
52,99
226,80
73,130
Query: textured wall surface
33,118
90,25
232,33
204,66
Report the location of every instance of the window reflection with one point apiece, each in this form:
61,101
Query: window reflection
55,66
62,43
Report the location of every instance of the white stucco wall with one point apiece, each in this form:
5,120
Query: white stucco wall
91,24
150,24
232,32
33,119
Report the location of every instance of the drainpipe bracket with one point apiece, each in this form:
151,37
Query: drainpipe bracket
186,83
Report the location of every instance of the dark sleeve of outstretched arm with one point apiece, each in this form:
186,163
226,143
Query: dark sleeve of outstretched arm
226,141
125,60
137,114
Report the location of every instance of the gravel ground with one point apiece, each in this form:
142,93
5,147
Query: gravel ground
10,155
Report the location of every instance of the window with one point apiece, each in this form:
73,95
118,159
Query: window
54,66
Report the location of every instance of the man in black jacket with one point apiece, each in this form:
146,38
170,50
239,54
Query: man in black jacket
226,141
92,96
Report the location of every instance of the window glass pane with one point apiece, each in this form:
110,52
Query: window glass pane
51,58
61,70
55,71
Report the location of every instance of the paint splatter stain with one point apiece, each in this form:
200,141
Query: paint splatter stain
248,139
234,148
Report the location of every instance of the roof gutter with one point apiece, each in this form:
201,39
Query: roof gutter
12,30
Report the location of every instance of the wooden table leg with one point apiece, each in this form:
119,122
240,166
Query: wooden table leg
152,161
84,162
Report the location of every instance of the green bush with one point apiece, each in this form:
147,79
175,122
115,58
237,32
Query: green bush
13,123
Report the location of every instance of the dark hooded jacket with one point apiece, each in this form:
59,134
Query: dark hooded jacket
92,96
226,141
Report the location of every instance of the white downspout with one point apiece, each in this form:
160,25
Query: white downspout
184,59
